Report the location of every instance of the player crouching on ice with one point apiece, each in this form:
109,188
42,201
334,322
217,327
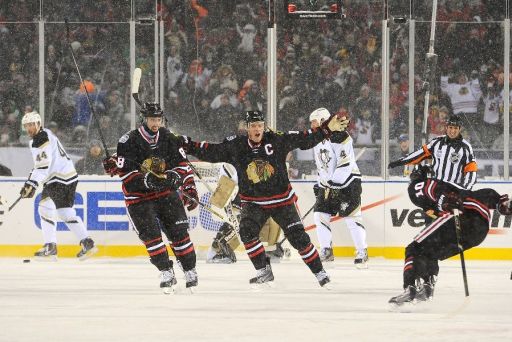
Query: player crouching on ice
438,240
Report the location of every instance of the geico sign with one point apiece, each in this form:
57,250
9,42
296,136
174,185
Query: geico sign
416,218
100,205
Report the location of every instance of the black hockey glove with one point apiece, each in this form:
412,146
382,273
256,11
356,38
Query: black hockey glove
394,164
450,201
192,202
316,189
170,179
29,189
110,165
504,205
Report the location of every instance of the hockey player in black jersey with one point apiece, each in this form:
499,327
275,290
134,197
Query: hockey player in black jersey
265,190
438,240
153,166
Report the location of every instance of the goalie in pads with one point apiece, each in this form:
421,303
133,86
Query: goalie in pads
226,241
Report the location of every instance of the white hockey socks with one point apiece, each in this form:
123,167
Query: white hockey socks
323,229
357,231
48,224
74,222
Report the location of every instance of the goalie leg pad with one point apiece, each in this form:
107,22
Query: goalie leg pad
224,192
270,232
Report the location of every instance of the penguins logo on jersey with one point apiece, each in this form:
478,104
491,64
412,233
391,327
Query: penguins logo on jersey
259,171
454,157
325,158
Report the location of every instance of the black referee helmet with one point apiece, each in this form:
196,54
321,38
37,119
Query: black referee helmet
454,120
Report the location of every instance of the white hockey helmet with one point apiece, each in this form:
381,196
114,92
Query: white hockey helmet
320,114
31,117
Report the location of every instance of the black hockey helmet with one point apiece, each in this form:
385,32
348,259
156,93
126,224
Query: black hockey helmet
151,109
253,116
454,120
420,173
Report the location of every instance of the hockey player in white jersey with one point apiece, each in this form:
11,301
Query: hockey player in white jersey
56,172
338,190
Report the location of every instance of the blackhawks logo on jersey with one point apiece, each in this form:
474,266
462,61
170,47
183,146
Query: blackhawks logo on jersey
259,170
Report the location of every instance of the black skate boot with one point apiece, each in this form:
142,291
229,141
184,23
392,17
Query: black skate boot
323,279
361,260
326,255
425,291
191,278
167,280
47,252
263,275
88,249
407,297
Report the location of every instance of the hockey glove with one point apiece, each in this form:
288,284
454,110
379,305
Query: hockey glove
170,179
394,164
504,205
335,123
28,190
110,165
450,201
316,189
174,179
193,202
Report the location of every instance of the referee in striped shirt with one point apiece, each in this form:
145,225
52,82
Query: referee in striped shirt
452,157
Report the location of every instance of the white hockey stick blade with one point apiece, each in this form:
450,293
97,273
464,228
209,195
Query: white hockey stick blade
137,74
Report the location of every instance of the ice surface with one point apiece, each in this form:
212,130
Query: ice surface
119,300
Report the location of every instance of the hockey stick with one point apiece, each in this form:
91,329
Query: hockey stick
14,203
431,62
458,232
137,74
91,108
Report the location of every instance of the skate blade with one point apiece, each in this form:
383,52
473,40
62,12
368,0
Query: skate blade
168,290
362,266
263,287
409,307
89,254
328,287
51,258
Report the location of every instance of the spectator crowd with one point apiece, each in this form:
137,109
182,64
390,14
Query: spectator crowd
215,68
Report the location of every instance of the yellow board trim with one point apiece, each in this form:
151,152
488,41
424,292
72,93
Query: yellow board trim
128,251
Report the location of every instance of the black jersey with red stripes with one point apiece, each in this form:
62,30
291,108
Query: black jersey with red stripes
261,168
140,144
427,194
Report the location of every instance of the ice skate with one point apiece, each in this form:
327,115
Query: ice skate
167,281
361,260
425,291
47,253
264,277
88,249
191,279
406,298
326,255
323,279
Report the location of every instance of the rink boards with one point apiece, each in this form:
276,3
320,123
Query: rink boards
390,219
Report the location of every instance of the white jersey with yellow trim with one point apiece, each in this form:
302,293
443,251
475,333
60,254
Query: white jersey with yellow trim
51,162
335,161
